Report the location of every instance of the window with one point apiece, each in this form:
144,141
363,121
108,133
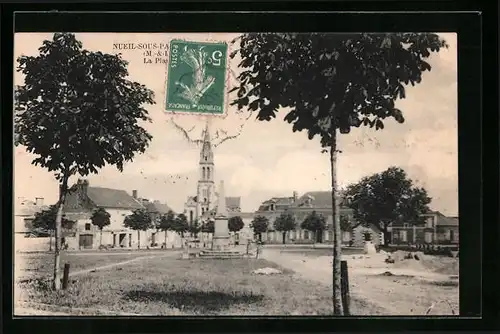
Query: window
204,173
87,227
272,207
306,234
208,173
405,225
429,222
403,235
205,157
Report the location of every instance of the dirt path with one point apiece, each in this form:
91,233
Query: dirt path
397,295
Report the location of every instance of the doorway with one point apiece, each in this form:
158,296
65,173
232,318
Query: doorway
86,241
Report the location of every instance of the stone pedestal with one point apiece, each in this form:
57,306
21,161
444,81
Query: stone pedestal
220,243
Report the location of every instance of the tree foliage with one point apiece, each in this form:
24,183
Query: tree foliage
314,222
235,224
167,223
328,83
195,228
331,80
76,112
285,223
260,224
181,224
208,226
387,197
139,220
100,218
45,220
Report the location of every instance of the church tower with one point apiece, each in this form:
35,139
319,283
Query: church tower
206,186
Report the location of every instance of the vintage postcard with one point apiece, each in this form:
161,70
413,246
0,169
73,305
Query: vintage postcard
235,174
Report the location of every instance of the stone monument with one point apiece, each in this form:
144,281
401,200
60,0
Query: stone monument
221,229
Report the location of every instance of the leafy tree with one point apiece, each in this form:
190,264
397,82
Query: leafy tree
345,224
101,219
77,111
235,224
195,228
387,197
331,82
181,225
208,226
315,223
167,223
139,220
285,223
45,221
260,224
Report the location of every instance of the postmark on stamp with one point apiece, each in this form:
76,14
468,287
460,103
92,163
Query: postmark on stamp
196,79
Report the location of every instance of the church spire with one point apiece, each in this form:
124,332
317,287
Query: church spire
206,134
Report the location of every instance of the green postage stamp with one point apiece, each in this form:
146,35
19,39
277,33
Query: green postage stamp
196,79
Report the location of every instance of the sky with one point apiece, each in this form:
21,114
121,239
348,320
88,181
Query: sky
266,159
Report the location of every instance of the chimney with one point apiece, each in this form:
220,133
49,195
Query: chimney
134,194
295,196
39,201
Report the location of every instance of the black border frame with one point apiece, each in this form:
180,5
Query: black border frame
472,39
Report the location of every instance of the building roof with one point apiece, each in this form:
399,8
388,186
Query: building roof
281,203
443,220
112,198
233,202
157,206
372,226
319,199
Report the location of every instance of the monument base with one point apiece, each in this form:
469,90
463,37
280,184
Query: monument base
220,243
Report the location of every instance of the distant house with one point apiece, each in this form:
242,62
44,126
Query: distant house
156,210
435,229
300,207
24,213
84,199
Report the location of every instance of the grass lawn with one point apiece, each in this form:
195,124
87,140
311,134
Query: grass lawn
170,286
40,265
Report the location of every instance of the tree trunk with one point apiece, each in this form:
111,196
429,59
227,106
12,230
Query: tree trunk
50,241
284,237
386,235
166,239
337,292
63,188
138,239
100,240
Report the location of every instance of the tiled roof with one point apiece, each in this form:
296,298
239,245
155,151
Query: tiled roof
443,220
281,203
157,206
112,198
319,199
